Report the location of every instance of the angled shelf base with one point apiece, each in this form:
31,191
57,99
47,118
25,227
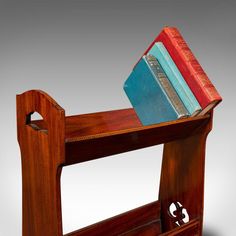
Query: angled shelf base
113,129
58,140
144,220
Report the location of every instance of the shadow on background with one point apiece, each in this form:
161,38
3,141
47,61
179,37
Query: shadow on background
209,232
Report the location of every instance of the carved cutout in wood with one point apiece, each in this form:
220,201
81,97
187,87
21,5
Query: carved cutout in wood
36,121
178,213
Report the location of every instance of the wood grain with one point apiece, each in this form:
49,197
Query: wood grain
101,139
189,229
41,154
142,219
56,141
182,177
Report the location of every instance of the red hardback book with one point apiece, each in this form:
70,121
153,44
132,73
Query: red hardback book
191,70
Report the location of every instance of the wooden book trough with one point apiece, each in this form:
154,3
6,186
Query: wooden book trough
56,141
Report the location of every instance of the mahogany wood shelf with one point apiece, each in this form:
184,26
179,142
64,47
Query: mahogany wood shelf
58,140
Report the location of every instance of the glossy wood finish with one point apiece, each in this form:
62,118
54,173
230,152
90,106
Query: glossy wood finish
122,135
143,219
182,177
41,154
115,129
188,229
56,141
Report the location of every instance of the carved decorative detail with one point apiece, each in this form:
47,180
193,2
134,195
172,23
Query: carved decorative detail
178,213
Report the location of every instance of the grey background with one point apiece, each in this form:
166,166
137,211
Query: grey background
80,52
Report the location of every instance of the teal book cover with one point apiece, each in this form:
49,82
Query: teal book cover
160,52
148,96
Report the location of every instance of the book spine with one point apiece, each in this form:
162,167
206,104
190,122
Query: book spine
159,51
147,96
190,68
167,87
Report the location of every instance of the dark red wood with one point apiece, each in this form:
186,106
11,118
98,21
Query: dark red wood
92,124
48,145
118,131
150,229
89,125
182,177
142,219
123,134
189,229
42,155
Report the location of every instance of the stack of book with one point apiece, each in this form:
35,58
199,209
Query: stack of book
168,83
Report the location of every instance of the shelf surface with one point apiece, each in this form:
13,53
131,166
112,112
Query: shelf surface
95,135
93,125
144,220
89,125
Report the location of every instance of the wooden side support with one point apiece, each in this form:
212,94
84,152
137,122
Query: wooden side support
42,153
48,145
182,180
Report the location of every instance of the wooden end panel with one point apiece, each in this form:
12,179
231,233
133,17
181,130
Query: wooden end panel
42,153
137,220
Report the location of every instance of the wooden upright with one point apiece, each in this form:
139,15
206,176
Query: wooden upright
56,141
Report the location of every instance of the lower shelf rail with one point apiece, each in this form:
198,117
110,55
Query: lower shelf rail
143,221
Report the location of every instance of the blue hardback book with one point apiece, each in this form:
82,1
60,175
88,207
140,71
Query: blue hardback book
159,51
151,94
